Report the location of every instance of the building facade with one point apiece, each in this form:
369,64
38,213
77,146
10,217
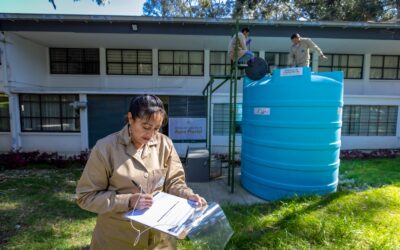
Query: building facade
66,80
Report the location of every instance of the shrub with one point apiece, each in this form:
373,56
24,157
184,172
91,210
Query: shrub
14,160
379,153
345,154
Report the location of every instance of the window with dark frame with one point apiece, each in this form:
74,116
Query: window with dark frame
48,113
385,67
350,64
180,63
282,59
369,120
187,106
4,113
221,119
220,63
270,59
129,62
74,61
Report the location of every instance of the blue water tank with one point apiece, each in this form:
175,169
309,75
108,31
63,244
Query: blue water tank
291,133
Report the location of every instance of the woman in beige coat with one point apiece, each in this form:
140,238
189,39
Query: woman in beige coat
123,171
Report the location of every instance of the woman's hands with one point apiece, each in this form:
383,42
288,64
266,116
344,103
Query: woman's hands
200,201
140,201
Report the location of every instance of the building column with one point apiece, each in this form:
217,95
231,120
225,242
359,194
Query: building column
103,68
83,114
103,58
315,62
206,66
366,66
13,102
15,121
276,60
262,54
398,126
3,61
155,62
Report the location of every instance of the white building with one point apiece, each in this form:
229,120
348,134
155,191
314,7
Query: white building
49,61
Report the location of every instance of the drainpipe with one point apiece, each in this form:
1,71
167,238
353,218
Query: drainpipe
15,126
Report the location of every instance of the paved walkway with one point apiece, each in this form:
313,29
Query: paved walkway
217,190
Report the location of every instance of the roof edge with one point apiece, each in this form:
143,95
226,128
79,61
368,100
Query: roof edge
226,21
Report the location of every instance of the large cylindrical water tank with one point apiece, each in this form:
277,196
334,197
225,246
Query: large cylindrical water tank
291,133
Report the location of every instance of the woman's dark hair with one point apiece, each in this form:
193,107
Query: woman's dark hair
145,106
245,30
294,35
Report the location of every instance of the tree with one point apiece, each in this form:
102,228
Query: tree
392,8
343,10
188,8
335,10
99,2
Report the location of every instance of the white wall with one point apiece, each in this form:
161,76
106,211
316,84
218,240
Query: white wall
64,143
26,60
370,142
30,61
29,72
371,87
220,143
125,84
5,141
163,85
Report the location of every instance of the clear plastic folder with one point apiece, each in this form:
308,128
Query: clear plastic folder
179,217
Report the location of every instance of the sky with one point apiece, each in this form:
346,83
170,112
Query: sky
89,7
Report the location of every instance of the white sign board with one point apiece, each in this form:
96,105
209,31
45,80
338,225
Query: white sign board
262,111
183,128
291,72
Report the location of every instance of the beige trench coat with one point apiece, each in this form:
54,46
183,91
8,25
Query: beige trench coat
105,187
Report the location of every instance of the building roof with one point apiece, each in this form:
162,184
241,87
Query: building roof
180,20
196,26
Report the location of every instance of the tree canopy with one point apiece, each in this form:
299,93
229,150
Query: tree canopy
99,2
334,10
338,10
188,8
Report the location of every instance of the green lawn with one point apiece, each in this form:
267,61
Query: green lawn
37,211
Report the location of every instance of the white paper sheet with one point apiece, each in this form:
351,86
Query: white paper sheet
167,214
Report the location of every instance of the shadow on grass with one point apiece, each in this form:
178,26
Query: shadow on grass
248,224
34,207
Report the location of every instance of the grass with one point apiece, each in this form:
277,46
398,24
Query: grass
373,173
345,220
37,211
